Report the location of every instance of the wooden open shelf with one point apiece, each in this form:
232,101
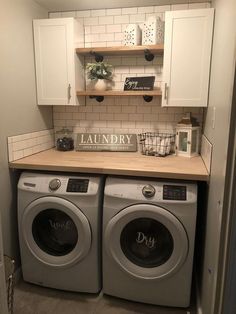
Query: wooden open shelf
122,50
155,92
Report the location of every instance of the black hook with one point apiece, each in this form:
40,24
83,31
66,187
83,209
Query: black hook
147,98
97,56
98,98
148,55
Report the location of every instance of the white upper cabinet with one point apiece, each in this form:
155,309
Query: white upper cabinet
59,71
187,55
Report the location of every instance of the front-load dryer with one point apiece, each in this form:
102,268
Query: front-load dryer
59,222
148,240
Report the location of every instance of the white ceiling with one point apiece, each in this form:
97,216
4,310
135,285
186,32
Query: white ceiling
72,5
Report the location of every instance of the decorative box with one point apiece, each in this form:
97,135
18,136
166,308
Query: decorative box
153,31
187,137
132,35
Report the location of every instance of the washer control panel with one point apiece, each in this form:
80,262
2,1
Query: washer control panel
174,192
77,185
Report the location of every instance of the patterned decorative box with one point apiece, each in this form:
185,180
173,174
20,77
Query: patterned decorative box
132,35
153,31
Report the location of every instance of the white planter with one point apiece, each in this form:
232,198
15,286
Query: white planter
100,85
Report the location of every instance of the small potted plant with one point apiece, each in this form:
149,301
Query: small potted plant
100,72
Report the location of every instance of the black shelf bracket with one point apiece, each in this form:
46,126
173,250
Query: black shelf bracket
98,98
148,55
97,56
147,98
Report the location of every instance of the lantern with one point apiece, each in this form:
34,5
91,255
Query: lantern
187,137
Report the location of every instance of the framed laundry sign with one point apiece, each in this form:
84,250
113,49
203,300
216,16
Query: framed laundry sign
139,83
106,142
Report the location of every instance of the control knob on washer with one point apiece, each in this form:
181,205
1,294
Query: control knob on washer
54,184
148,191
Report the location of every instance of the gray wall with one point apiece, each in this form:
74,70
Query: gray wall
220,97
19,112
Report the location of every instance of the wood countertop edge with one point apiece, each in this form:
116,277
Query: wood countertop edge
111,171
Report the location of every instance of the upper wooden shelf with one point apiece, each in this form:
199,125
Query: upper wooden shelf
122,50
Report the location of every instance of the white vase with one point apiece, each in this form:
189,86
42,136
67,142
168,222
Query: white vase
100,85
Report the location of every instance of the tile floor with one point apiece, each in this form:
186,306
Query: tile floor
31,299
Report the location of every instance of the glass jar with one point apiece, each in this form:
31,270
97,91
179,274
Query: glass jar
64,140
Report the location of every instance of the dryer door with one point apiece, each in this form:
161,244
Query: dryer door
56,231
147,241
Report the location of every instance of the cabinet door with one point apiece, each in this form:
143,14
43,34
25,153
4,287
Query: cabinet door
54,59
187,55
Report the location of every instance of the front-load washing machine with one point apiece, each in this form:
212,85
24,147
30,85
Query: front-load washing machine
59,222
148,240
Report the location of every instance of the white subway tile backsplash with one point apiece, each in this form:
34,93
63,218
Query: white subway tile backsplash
106,20
137,18
110,28
97,29
162,8
98,12
119,36
129,11
149,9
118,114
91,21
85,13
53,15
69,14
113,11
107,37
121,19
175,7
20,146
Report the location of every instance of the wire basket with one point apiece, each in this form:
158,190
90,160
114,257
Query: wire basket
157,144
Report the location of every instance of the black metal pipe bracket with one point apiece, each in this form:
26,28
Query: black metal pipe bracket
97,56
98,98
148,55
147,98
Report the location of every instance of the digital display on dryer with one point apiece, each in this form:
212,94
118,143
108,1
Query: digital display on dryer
175,192
77,185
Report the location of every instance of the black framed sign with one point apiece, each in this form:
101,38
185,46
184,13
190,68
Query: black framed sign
106,142
139,83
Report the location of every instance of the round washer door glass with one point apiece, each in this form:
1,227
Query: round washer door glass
56,231
146,241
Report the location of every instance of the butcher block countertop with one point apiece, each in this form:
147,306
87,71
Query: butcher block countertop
130,164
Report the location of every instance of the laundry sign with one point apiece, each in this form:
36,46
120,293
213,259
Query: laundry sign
106,142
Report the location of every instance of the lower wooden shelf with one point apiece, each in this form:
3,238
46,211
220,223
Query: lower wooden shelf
156,92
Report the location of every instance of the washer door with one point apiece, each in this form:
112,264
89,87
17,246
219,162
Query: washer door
56,231
147,241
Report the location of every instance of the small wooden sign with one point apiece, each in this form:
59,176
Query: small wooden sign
106,142
139,83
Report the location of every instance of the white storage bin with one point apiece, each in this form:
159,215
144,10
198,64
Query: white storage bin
132,35
153,31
